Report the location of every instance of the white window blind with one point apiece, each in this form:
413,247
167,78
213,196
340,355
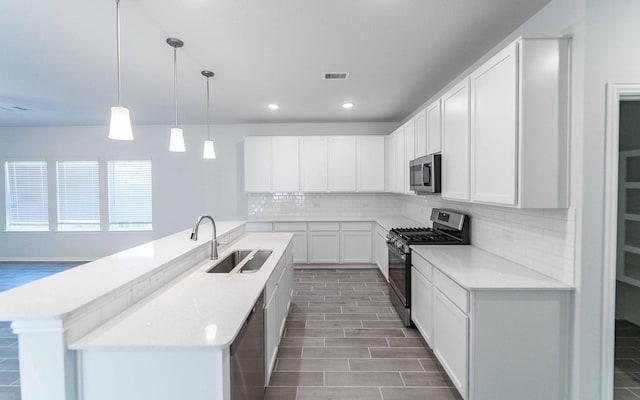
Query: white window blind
27,204
78,196
130,200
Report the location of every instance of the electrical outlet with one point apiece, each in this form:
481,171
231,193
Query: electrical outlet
507,235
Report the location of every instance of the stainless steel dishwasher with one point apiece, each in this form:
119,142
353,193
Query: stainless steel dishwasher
247,356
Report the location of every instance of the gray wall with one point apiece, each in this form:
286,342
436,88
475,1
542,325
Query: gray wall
184,185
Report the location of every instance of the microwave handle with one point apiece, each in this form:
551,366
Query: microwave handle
426,174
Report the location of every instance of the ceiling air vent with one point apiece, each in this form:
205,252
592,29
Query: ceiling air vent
336,75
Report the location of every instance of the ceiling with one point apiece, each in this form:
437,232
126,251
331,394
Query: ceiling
59,57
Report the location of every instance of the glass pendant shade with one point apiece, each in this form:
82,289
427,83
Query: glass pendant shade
176,142
120,127
209,150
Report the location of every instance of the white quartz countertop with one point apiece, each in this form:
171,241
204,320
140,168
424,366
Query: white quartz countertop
57,295
201,310
476,269
387,221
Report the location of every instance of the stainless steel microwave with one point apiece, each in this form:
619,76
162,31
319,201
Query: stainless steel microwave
424,174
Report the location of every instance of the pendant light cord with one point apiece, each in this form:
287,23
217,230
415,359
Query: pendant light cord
118,47
175,81
208,107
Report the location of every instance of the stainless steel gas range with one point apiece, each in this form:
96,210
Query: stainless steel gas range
449,227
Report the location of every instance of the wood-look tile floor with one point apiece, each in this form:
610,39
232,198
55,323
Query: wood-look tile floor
13,275
627,361
343,340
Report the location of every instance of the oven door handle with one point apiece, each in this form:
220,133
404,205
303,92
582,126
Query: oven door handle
397,252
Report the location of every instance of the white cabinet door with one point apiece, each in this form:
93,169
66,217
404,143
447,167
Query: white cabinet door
300,247
314,167
370,163
355,247
324,247
451,340
455,142
284,164
272,332
494,129
382,255
342,163
434,128
409,153
285,286
257,164
400,161
421,134
392,163
422,304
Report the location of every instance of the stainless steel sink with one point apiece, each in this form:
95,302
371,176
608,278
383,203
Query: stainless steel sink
252,261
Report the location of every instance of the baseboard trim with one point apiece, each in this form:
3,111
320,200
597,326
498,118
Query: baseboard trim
335,266
47,259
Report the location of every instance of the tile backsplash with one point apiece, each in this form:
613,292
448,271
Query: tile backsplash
298,204
540,239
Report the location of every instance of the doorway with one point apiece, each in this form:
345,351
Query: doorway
621,339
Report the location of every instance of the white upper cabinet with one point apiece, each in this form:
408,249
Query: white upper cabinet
494,130
433,128
314,167
421,134
455,142
519,126
370,157
342,164
409,153
284,164
399,169
257,164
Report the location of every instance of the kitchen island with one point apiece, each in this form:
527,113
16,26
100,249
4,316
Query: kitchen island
52,314
176,343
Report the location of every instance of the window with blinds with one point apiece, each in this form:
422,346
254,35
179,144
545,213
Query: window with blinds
27,204
78,196
130,200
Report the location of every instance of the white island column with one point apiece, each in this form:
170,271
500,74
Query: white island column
47,366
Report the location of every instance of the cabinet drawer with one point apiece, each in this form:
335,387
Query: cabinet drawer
422,266
454,292
259,227
289,227
356,226
324,226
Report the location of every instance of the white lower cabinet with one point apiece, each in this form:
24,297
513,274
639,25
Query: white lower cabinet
451,340
279,289
494,342
422,304
299,232
272,334
381,252
324,247
356,242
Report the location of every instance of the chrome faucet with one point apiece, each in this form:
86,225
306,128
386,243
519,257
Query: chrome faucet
214,239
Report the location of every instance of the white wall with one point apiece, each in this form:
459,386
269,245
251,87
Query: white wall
184,185
612,56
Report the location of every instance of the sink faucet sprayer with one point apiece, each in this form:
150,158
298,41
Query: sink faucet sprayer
214,239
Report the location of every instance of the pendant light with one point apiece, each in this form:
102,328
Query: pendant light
120,126
209,151
176,143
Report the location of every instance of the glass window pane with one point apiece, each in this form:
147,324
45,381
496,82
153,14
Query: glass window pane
130,197
633,169
27,204
78,196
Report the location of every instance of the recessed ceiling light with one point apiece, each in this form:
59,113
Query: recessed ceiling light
347,105
273,106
